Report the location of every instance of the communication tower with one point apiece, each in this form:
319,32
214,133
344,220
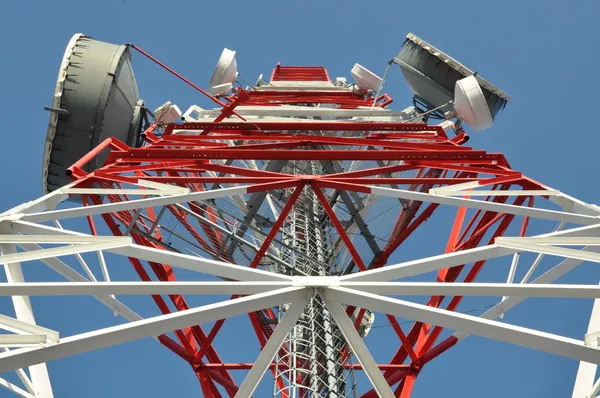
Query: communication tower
288,199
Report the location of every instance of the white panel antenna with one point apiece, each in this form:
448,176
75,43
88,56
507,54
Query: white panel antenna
365,79
470,104
225,73
167,113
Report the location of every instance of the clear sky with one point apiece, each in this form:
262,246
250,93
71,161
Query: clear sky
543,53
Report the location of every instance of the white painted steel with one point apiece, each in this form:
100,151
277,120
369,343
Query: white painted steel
483,205
586,373
132,204
137,288
150,327
19,326
15,389
521,336
475,289
14,274
356,343
261,364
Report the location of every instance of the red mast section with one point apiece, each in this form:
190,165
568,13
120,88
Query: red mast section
275,166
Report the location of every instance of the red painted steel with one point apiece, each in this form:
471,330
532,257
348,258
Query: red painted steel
199,156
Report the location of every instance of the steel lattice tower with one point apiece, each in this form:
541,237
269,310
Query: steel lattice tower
292,195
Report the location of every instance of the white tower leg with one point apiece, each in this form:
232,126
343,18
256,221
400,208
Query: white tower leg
586,374
23,311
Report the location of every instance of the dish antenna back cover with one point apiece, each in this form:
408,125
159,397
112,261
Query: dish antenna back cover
470,104
224,74
96,97
432,76
365,79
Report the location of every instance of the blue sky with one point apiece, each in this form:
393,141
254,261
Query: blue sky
543,53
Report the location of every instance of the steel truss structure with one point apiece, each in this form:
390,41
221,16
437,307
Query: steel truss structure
296,204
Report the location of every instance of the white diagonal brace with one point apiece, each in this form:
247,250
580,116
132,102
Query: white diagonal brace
595,390
69,273
170,189
434,263
428,264
24,312
474,289
104,244
16,389
198,264
356,343
80,259
24,377
156,189
31,228
484,205
19,326
552,240
494,193
586,373
550,250
521,336
112,191
137,288
46,202
21,340
261,365
133,204
193,263
66,239
548,277
150,327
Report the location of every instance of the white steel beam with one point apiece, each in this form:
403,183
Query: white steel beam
21,340
550,250
193,263
113,191
46,202
443,192
24,312
586,373
19,326
150,327
137,288
483,205
553,240
428,264
521,336
230,288
548,277
66,239
434,263
156,188
80,259
133,204
474,289
540,256
16,389
356,343
24,377
261,365
104,244
199,264
70,274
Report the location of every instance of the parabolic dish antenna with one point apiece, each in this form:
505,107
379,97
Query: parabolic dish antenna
432,76
225,73
96,97
470,104
365,79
